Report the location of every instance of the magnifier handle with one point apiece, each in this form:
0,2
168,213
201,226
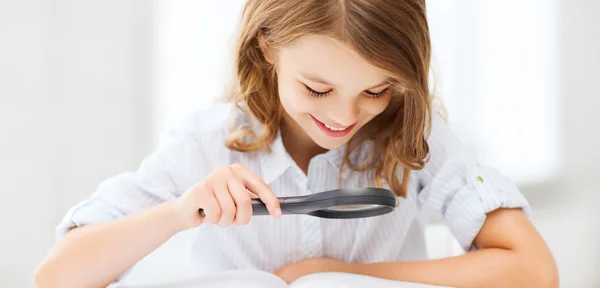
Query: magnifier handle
334,204
258,207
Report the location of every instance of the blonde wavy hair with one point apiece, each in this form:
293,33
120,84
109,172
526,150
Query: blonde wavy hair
391,34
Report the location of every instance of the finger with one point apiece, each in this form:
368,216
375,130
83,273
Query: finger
243,202
226,203
258,187
208,203
252,195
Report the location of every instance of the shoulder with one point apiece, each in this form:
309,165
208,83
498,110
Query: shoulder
444,145
208,126
199,137
196,145
443,142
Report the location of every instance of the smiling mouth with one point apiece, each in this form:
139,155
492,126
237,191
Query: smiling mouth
342,128
332,128
335,131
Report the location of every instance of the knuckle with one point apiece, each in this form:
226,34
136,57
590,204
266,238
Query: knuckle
236,166
226,171
208,182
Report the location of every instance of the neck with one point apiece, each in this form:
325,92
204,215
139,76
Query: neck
298,144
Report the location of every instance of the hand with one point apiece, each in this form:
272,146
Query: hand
294,271
225,195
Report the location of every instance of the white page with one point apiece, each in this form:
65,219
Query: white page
223,279
263,279
347,280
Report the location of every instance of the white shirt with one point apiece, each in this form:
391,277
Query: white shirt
452,187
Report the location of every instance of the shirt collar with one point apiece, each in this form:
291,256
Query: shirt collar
275,162
357,156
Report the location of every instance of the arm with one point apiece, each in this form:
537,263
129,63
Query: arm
473,201
512,254
81,259
124,220
96,254
128,216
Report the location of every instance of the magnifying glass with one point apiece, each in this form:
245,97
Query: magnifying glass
344,203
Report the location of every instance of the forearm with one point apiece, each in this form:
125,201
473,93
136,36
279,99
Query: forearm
483,268
95,255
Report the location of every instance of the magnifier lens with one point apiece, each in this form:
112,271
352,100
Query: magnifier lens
353,207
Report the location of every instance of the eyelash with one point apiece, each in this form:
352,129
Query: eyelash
317,94
314,93
378,95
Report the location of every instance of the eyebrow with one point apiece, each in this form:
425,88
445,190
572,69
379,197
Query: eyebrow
317,79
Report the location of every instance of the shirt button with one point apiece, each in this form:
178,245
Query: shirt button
479,179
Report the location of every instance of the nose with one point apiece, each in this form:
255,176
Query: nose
344,111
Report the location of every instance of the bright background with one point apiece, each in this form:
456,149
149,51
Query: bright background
86,88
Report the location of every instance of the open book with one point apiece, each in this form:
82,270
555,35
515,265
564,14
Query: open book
262,279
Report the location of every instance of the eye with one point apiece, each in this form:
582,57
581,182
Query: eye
314,93
378,94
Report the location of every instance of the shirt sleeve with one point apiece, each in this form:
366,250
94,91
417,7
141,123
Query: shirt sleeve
151,184
124,194
459,190
185,154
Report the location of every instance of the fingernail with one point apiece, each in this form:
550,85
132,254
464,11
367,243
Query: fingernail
278,212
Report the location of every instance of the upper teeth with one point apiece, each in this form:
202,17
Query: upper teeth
335,128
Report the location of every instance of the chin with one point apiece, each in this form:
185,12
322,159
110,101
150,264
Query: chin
330,143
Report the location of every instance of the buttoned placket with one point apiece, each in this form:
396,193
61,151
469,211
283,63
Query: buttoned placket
312,236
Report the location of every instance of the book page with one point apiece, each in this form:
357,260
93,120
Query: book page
223,279
347,280
263,279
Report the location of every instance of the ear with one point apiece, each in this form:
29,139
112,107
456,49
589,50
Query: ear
267,50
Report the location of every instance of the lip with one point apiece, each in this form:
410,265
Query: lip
332,133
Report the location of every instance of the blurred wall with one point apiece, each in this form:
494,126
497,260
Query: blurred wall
580,77
74,109
567,209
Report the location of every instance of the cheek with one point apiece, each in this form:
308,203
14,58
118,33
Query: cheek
293,99
374,107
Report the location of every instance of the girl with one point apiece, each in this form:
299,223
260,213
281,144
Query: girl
329,94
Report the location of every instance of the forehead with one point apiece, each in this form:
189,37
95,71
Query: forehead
331,60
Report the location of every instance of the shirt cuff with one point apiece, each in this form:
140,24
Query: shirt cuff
462,192
90,211
485,191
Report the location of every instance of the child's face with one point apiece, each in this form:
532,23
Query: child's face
323,81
